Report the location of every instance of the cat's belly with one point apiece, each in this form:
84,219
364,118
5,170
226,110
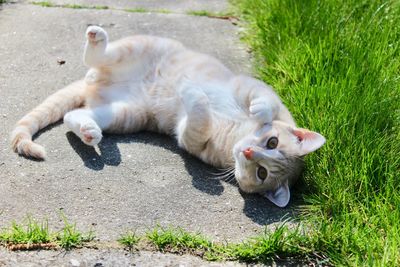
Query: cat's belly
122,92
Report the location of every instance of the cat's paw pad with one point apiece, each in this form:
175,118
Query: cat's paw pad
96,34
262,110
91,134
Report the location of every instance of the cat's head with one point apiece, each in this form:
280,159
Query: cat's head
269,160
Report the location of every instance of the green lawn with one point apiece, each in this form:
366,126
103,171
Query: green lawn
336,64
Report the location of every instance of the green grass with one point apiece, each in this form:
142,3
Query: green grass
76,6
33,234
69,237
44,3
136,10
73,6
177,240
211,14
281,244
201,13
336,65
129,239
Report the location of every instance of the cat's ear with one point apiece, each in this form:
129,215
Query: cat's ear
281,196
309,141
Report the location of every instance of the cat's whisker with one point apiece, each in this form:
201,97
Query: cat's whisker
228,175
223,171
225,177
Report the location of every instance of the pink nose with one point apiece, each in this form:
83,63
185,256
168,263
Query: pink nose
248,153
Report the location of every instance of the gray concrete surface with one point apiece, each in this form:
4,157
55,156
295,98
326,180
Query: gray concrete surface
130,182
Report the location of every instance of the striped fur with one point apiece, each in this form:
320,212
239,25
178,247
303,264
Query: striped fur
48,112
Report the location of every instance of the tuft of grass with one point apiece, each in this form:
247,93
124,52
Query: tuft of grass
280,243
336,65
32,234
283,243
73,6
201,13
129,239
137,10
77,6
163,11
69,237
43,3
176,239
210,14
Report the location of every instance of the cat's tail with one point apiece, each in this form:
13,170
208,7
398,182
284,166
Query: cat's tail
49,111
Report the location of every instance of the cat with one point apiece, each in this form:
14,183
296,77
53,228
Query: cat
156,84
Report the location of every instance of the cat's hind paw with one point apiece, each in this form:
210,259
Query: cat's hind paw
96,35
91,134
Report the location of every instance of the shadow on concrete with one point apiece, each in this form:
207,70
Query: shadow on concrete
260,210
256,207
110,155
109,152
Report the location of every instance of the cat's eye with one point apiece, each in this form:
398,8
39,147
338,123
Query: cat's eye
272,143
262,173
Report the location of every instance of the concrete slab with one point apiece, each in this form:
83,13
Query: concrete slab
129,181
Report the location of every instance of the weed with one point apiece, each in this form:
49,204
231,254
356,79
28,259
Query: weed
32,234
136,10
72,6
281,243
176,239
210,14
43,3
129,239
69,237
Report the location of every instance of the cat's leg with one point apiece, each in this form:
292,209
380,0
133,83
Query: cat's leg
83,123
88,124
95,47
264,108
100,53
194,129
262,103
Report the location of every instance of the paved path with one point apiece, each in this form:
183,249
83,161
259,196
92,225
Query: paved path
130,181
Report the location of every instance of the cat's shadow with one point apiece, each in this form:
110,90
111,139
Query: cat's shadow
110,155
256,207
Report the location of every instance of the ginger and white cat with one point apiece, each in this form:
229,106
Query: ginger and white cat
156,84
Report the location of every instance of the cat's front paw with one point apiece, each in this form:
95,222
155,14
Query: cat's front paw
91,134
262,110
96,35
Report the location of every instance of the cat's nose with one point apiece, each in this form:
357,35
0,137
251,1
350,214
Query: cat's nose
248,153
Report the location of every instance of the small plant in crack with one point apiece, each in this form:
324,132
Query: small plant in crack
129,239
69,237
